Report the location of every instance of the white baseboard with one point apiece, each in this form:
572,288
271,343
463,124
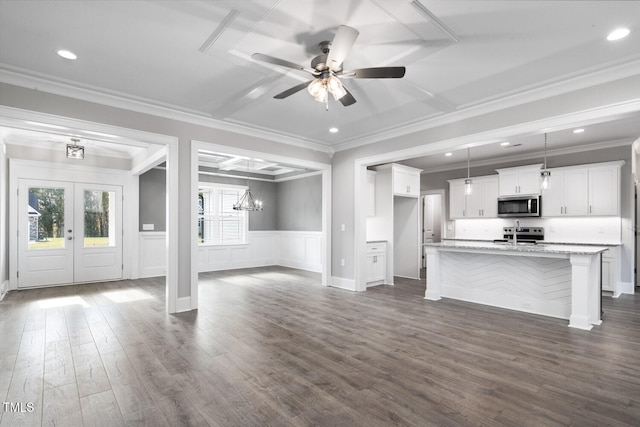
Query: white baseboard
183,304
4,288
623,288
342,283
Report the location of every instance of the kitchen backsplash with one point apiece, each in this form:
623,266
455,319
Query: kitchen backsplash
573,230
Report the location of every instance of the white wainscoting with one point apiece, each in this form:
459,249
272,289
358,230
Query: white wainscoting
296,249
153,253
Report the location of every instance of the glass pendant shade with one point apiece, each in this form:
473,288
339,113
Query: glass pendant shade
468,186
468,183
248,203
546,173
75,152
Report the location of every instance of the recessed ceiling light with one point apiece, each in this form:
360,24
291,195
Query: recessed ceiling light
504,144
67,54
448,154
333,130
618,33
580,130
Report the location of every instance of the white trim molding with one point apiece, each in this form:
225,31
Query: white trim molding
153,255
4,288
183,304
342,283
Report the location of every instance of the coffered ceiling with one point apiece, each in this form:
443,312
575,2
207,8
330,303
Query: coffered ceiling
193,58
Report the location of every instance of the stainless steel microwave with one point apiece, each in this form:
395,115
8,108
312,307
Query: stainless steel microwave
519,206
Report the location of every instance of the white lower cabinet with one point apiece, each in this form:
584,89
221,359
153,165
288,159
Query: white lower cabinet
376,270
609,271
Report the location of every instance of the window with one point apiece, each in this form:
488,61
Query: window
218,222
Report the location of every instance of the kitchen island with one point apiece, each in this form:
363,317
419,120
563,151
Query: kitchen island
561,281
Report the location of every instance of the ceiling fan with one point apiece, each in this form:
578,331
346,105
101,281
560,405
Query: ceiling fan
327,71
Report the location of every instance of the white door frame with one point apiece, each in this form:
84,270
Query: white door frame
31,120
326,204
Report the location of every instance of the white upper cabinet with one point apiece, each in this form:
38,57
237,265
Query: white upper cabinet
481,203
406,181
457,202
583,190
520,180
483,200
567,193
604,190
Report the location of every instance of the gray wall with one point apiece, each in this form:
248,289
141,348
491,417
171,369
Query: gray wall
300,204
294,205
153,199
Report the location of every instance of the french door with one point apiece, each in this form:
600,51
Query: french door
68,232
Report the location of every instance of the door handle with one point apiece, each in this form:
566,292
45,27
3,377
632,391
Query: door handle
69,238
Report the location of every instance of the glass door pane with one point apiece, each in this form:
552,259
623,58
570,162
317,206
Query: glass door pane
45,218
99,219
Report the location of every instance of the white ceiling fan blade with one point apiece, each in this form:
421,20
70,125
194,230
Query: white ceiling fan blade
340,46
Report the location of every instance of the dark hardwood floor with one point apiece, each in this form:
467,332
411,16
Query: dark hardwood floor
272,347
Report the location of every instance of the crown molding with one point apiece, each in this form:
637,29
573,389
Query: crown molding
541,90
42,82
532,156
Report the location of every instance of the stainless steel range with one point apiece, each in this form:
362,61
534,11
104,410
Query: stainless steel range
522,234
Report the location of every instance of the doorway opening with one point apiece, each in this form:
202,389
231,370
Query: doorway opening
432,220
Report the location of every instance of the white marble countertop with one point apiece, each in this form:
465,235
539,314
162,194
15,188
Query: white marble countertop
545,248
545,242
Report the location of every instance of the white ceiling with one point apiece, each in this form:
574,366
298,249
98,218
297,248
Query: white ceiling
484,52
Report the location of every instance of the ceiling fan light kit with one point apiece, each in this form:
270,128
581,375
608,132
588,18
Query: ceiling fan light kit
326,69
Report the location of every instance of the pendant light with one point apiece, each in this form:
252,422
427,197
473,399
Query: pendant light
75,151
468,183
545,174
247,202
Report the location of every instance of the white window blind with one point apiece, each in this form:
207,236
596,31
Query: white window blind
218,222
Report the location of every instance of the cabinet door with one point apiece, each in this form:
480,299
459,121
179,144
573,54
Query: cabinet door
508,183
603,191
607,283
529,181
490,197
405,183
456,199
378,269
553,197
473,202
576,197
